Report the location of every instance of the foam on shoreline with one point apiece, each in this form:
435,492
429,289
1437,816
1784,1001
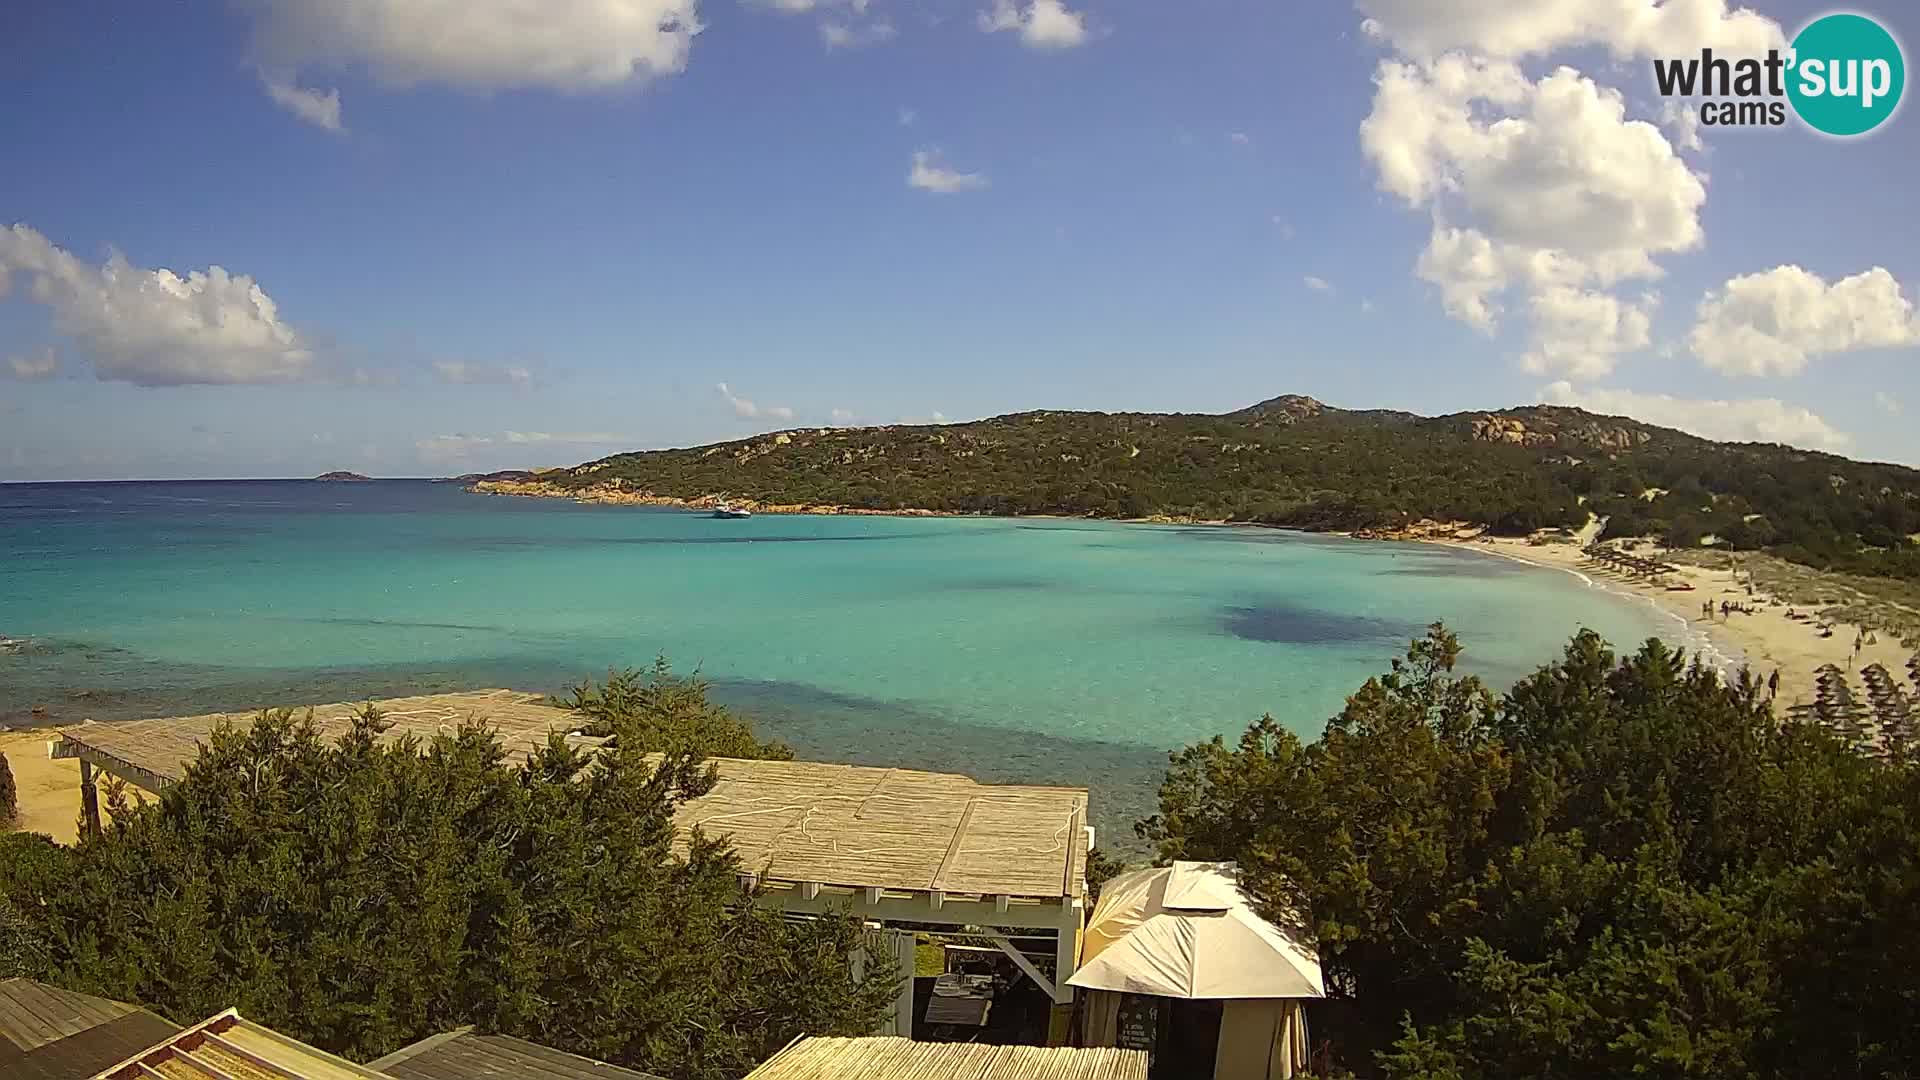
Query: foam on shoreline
1697,640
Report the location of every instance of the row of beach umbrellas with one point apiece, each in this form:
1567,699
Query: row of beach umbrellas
1882,724
1632,564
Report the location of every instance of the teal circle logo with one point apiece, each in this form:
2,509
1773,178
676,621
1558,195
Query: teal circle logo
1846,74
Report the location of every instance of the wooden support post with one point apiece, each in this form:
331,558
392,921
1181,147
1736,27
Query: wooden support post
89,800
1020,961
1066,952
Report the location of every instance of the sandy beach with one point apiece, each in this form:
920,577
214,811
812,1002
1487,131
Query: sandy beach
1765,639
47,791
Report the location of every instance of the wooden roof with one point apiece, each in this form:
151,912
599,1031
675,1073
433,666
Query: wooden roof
797,821
154,753
87,1052
463,1055
891,1058
33,1014
228,1047
860,826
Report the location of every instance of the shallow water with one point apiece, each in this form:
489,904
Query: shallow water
1033,650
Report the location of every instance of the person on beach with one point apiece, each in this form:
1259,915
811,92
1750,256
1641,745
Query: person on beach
1773,684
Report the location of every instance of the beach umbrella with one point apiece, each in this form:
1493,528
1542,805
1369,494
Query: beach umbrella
1187,931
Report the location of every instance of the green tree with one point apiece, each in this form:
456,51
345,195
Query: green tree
1620,867
9,798
655,709
364,894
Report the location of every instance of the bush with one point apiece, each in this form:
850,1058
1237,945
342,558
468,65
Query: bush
1620,868
9,797
361,896
658,710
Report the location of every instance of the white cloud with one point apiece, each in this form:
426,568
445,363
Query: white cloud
1285,226
1239,138
1367,307
464,373
797,7
1042,24
1626,28
848,36
749,410
42,363
444,449
929,173
568,45
1682,123
316,108
441,449
1317,284
907,116
1745,420
1542,186
1887,402
156,327
842,416
1774,322
1552,168
588,438
1580,333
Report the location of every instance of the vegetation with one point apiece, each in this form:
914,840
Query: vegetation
1294,462
9,796
1620,868
658,710
361,896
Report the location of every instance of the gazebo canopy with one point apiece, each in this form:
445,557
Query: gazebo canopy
1187,931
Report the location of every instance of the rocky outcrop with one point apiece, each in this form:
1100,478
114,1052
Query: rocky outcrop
1586,432
1285,409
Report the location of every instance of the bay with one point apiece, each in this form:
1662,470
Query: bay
1028,650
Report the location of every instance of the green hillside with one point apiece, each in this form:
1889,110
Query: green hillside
1293,461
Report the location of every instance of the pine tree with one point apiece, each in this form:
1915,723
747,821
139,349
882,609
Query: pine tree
9,797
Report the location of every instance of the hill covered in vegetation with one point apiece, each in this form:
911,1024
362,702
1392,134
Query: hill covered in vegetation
1293,461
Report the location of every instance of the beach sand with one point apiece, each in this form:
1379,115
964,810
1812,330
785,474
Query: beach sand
48,791
1765,639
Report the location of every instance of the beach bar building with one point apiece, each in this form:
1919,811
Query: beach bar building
890,846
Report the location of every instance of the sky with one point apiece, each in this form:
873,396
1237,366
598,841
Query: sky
427,237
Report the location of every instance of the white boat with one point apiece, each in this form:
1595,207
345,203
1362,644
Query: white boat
726,511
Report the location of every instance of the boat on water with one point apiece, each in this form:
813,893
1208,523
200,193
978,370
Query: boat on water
726,511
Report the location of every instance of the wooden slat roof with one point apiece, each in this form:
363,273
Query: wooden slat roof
229,1047
87,1052
163,748
891,1058
33,1014
796,821
858,826
464,1055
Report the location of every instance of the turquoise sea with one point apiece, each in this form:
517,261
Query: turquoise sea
1040,650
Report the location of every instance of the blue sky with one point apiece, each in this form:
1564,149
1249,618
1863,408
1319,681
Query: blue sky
533,240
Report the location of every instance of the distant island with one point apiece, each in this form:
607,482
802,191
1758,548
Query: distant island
1295,462
342,475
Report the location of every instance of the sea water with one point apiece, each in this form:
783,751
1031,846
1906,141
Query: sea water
1033,650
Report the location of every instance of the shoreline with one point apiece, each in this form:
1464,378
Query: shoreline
1710,641
1763,640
